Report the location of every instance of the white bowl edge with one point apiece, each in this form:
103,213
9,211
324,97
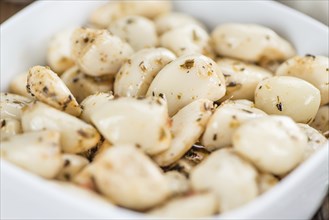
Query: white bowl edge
296,190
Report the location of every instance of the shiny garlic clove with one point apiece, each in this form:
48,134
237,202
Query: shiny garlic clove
76,135
97,52
11,105
116,169
103,16
139,32
290,96
18,85
92,103
227,175
250,42
72,165
59,51
192,206
321,121
143,123
82,85
187,126
9,127
136,75
177,183
274,144
186,79
38,152
225,120
47,87
241,78
266,182
175,20
315,140
187,39
313,69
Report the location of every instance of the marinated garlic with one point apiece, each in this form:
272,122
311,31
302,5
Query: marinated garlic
136,74
250,42
173,137
59,51
225,120
133,29
187,39
290,96
241,78
47,87
143,123
313,69
97,52
118,166
38,152
230,175
76,135
274,144
186,79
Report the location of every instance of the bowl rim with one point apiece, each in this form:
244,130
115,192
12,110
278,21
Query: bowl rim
257,204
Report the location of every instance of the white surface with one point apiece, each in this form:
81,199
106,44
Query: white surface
23,44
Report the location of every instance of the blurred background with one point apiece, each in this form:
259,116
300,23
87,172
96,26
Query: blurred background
318,9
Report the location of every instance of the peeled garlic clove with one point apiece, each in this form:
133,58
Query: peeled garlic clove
187,39
116,169
175,20
9,127
250,42
143,123
11,105
186,79
47,87
76,135
136,75
225,120
241,78
227,175
82,85
37,152
92,103
103,16
59,51
97,52
313,69
18,85
274,144
139,32
315,140
187,126
72,165
177,182
289,96
321,121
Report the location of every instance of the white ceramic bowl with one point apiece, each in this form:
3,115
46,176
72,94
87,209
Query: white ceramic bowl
23,44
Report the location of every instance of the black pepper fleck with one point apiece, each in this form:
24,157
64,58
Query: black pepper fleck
3,123
188,64
45,89
214,138
279,104
67,163
310,55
